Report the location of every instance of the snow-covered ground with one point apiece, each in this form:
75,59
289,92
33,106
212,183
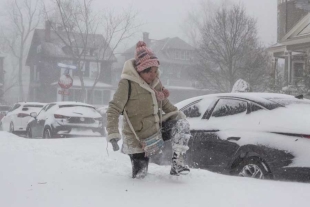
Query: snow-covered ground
84,172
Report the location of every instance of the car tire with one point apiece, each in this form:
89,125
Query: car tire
11,127
29,132
47,133
253,167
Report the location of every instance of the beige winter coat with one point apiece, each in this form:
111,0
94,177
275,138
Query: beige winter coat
142,109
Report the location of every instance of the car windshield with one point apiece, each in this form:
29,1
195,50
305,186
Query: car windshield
286,102
67,106
33,106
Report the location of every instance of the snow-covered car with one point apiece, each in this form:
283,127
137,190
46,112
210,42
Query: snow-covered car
18,116
103,111
4,110
260,135
65,119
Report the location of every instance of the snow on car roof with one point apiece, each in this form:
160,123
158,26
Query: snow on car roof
62,103
258,97
253,96
33,103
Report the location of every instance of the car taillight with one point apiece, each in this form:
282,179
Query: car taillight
22,115
306,136
58,116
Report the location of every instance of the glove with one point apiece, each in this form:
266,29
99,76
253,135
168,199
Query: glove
114,144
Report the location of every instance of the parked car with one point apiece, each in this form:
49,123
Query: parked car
18,116
258,135
103,111
65,119
3,110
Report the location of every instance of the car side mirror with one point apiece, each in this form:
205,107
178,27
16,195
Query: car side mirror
33,114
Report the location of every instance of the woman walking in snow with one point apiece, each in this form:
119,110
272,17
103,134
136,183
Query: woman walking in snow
142,98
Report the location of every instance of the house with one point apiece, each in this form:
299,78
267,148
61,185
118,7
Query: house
176,63
50,49
293,46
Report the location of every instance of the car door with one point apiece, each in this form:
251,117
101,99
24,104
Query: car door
37,129
194,112
218,141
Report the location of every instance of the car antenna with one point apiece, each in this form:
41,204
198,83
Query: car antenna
299,96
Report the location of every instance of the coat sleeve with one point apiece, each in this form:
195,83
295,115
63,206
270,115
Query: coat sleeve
115,108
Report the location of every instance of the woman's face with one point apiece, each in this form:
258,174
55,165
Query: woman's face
149,76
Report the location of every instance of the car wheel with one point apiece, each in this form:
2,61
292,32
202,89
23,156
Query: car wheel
11,127
29,132
253,167
47,133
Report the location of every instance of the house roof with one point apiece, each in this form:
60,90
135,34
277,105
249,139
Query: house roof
296,39
161,48
55,46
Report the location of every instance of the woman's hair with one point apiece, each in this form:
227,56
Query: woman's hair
146,70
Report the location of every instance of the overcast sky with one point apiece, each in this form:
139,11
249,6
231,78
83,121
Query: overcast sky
163,18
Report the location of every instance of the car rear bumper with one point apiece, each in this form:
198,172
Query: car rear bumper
70,131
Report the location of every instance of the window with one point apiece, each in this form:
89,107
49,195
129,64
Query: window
75,95
16,106
93,70
192,111
50,106
255,107
84,67
228,107
197,108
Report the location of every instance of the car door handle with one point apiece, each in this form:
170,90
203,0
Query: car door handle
233,138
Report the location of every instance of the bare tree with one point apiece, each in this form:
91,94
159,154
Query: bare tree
96,34
115,30
22,16
228,49
73,22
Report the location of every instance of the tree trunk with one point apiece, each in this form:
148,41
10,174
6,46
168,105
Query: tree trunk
20,74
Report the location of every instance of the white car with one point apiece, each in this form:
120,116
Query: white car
259,135
17,118
65,119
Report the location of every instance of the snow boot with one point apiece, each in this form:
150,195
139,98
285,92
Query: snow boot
178,167
139,165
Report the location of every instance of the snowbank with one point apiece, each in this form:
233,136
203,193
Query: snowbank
79,172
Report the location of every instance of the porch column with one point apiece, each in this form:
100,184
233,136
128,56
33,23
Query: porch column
274,70
307,69
289,67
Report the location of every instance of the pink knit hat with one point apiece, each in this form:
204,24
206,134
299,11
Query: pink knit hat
144,57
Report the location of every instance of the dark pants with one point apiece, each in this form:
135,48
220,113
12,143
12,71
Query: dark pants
140,164
139,161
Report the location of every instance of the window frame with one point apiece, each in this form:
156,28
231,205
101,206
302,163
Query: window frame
248,110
